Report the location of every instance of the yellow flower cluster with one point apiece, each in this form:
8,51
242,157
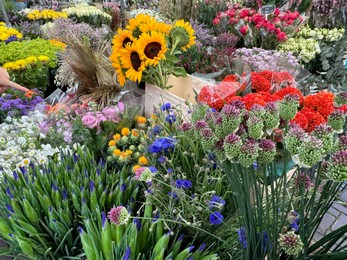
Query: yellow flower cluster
127,148
144,43
321,33
57,43
85,10
306,49
6,32
24,63
46,14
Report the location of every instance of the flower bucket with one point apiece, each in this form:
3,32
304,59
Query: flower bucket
182,91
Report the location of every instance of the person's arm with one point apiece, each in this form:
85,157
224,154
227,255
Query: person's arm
5,82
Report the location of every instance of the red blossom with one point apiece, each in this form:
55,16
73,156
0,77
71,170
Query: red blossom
259,83
244,13
282,37
314,119
290,90
301,120
244,30
321,102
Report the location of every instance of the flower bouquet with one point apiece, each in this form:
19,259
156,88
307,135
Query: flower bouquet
147,50
258,30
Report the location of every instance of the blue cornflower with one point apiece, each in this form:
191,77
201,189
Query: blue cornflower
295,225
170,119
161,144
242,237
216,201
156,130
216,218
165,107
162,159
172,194
152,169
183,184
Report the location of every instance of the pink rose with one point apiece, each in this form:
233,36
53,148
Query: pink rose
277,11
121,106
111,114
89,120
244,13
244,30
100,117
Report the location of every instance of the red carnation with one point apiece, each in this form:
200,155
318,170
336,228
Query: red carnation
216,21
268,74
314,119
282,37
277,11
244,13
321,102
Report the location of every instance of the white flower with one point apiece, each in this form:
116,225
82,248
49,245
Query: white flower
21,140
26,161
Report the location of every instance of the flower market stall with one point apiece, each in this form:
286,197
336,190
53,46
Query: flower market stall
173,130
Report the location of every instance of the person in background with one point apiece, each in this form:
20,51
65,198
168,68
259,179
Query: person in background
5,81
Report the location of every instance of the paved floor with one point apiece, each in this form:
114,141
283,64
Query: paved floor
335,218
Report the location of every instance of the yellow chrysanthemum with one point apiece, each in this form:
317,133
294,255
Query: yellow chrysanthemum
141,120
134,24
31,59
112,143
131,60
21,63
155,26
117,152
116,137
152,47
9,66
19,35
183,33
143,161
43,58
125,131
129,152
2,24
124,155
116,64
121,39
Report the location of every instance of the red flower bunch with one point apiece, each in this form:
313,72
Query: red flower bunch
278,26
308,119
260,83
321,102
260,98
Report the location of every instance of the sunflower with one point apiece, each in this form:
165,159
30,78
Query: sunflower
132,61
155,26
152,47
121,39
117,65
134,24
183,34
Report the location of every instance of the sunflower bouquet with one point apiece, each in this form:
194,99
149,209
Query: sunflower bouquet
147,50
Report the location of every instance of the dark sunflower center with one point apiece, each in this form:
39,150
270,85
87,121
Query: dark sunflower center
152,49
126,41
135,60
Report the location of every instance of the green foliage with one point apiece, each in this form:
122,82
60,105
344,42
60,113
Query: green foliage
142,239
206,11
20,50
328,68
42,208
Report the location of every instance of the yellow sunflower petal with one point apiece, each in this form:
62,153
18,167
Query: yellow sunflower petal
188,31
134,24
117,65
152,47
155,26
121,39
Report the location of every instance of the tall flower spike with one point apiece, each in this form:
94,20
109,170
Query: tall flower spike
255,127
232,145
337,169
248,153
337,120
310,152
267,151
288,107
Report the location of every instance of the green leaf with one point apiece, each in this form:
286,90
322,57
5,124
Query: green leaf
179,72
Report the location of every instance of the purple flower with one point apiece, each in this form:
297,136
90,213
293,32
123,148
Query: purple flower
216,218
242,236
103,218
165,107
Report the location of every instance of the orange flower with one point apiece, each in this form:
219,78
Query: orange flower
134,132
129,152
117,152
143,160
116,137
125,131
29,94
112,143
141,120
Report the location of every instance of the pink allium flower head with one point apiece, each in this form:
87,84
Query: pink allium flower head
118,215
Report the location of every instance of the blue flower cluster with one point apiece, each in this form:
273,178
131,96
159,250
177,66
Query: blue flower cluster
216,201
161,145
166,107
183,184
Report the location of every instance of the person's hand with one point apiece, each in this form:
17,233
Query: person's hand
5,81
